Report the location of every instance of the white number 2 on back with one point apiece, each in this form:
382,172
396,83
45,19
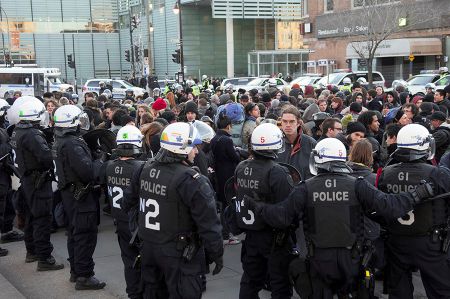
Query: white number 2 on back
410,221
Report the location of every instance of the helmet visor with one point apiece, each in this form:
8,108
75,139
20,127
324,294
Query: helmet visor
312,163
44,119
84,121
432,149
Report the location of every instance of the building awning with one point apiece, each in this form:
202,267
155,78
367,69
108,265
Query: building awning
399,47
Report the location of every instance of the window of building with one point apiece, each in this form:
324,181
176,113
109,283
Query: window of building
361,3
328,5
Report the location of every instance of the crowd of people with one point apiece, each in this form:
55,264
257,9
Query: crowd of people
186,170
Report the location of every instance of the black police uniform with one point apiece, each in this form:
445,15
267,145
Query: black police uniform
118,178
415,240
262,253
75,170
176,209
331,206
7,212
34,160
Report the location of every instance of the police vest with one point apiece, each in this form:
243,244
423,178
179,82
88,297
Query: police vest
118,177
404,177
333,214
62,147
252,179
162,214
23,158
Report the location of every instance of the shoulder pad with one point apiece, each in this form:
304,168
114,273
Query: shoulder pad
193,173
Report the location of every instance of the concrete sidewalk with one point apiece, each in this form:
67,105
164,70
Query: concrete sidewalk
20,280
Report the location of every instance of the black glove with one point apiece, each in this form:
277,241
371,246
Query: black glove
219,265
253,204
423,191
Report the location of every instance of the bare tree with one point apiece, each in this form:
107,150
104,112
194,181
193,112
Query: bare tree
374,21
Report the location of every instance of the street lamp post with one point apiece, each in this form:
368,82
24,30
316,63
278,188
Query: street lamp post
177,11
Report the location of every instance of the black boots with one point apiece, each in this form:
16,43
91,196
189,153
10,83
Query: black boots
89,283
49,265
30,258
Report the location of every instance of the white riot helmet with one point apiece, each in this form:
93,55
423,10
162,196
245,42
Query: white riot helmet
361,80
267,140
206,133
70,116
4,105
347,80
33,110
443,69
329,154
156,92
418,140
129,141
107,93
272,82
180,138
204,77
431,86
229,88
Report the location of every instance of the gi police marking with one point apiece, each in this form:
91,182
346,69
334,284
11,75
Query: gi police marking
246,183
331,196
155,189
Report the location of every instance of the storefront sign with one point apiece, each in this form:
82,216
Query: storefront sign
398,47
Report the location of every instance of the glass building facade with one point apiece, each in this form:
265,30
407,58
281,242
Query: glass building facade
95,32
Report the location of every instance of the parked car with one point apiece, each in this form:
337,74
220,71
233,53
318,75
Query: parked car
119,87
260,84
306,79
162,83
337,78
441,83
416,84
237,82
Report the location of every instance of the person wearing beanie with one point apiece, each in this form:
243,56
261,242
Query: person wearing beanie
191,111
429,97
441,133
284,98
169,116
354,133
158,107
253,95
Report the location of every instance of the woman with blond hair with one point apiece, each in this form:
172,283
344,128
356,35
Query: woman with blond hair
360,161
151,134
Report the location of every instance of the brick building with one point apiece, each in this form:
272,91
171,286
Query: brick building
329,40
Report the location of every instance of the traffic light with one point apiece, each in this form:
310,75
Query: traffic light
134,22
70,61
7,59
137,53
177,56
127,56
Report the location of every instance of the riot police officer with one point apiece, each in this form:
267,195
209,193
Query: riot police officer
75,176
118,174
264,251
331,205
418,239
178,222
5,168
33,158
